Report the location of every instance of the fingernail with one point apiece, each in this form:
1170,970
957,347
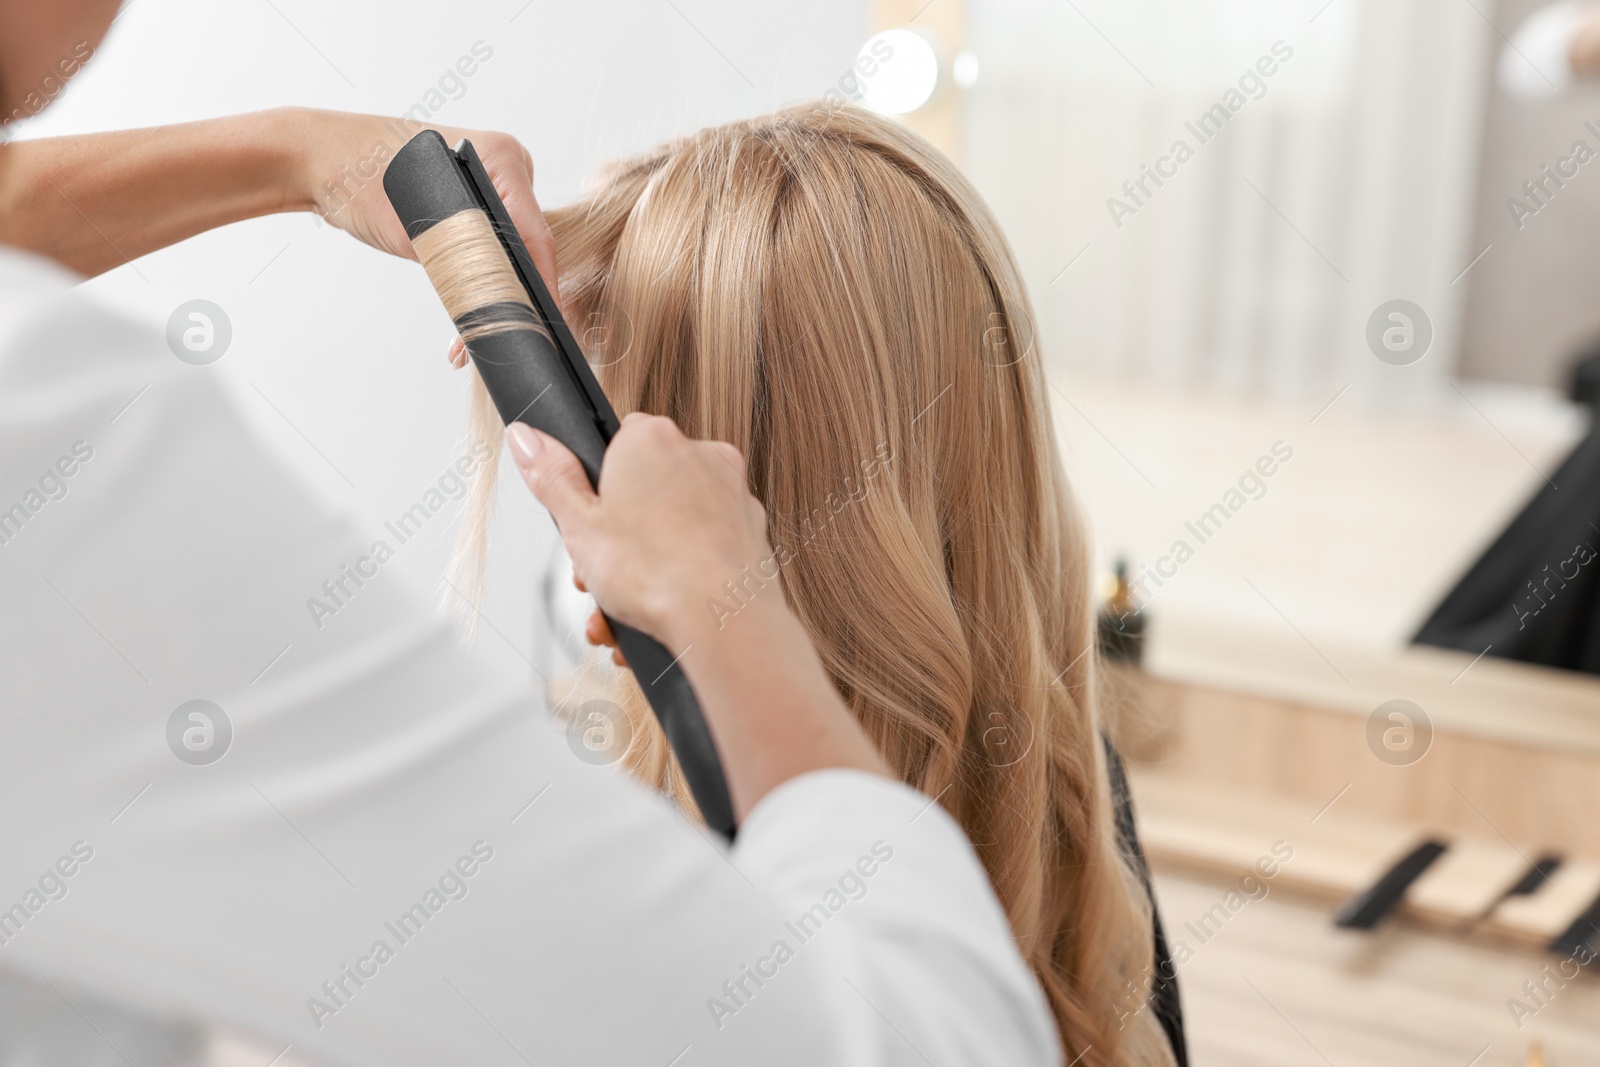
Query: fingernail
525,444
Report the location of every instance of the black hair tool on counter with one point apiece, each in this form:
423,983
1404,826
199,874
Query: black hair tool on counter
536,374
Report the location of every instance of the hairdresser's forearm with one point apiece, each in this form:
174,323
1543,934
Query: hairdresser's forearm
770,703
94,201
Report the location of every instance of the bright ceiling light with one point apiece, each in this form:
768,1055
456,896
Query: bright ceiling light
907,71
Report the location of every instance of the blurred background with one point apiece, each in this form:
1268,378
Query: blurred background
1217,205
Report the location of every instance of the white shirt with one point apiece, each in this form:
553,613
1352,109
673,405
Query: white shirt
398,860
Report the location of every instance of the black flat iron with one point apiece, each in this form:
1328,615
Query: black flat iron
538,375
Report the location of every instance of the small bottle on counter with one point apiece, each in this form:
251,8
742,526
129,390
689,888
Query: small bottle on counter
1122,622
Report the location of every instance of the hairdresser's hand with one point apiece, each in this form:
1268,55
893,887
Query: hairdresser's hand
341,171
342,162
673,521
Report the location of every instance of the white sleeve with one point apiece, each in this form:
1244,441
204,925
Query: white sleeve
927,962
396,859
1536,62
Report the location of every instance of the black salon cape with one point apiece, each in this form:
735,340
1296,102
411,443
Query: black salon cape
1164,987
1534,595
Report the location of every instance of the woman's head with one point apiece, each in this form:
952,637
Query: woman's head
824,290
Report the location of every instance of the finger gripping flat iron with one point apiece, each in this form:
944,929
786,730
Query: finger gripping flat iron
536,374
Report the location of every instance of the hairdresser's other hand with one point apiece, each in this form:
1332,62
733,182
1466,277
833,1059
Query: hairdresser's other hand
673,521
342,164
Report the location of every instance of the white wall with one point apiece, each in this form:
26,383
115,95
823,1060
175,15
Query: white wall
346,343
1253,269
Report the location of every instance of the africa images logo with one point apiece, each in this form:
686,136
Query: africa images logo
199,732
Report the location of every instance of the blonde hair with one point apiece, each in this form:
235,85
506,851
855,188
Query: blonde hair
823,289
